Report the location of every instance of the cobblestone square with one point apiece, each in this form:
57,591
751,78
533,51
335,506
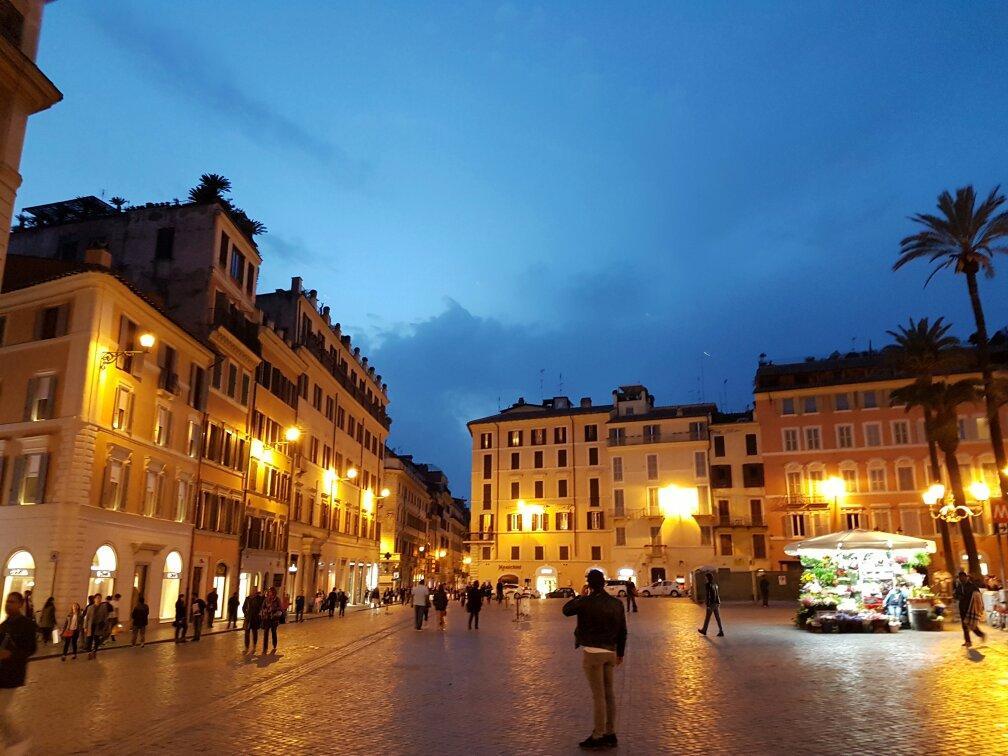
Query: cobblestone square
372,684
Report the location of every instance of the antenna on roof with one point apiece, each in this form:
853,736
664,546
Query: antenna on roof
560,386
542,374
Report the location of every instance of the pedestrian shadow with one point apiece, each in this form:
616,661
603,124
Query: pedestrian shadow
264,661
974,656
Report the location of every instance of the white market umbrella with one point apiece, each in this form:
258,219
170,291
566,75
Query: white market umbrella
860,540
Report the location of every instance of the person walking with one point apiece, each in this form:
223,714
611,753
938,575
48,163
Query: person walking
47,621
342,598
631,596
113,618
601,633
29,605
712,600
198,611
474,601
71,630
272,612
232,611
299,608
181,623
500,592
419,599
94,624
138,621
17,643
764,590
251,609
333,600
211,607
440,602
967,593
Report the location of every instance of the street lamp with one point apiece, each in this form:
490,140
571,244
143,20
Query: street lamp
146,341
942,504
833,488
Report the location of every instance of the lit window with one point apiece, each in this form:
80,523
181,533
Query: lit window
122,410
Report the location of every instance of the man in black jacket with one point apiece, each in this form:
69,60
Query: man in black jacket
251,609
17,643
601,633
712,600
474,601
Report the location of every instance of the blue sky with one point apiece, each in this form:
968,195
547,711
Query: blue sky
490,197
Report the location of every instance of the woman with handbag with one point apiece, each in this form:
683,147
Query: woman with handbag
272,612
71,630
47,621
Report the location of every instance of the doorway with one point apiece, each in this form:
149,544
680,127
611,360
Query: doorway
139,584
197,583
220,585
657,574
19,576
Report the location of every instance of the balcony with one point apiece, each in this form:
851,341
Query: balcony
655,550
243,329
480,537
795,502
655,438
739,522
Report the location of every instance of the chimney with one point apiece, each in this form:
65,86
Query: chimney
585,401
296,283
98,254
325,314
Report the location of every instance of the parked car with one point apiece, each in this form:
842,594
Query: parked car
616,587
510,589
672,588
565,592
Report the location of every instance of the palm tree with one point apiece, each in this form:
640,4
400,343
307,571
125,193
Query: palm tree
965,238
211,188
118,202
940,401
923,349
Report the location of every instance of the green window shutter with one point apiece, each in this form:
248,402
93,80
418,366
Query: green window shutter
30,397
62,319
15,488
48,410
43,470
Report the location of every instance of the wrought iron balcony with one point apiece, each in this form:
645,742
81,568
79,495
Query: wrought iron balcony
655,438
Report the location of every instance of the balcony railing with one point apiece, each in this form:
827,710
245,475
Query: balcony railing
485,536
740,522
790,502
655,438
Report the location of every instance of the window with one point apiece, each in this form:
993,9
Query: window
516,552
721,476
849,477
869,400
852,520
759,546
725,543
618,503
537,460
51,322
238,267
486,440
29,478
752,475
130,363
562,488
317,397
197,387
651,501
751,445
563,520
515,438
901,432
873,434
815,479
486,552
122,410
794,484
537,436
162,426
116,483
222,252
564,553
539,556
810,405
845,436
617,469
515,460
787,406
705,535
41,399
562,458
700,464
487,497
537,487
962,426
796,523
621,536
596,553
183,492
595,520
591,433
560,434
652,466
841,402
486,523
813,439
593,492
652,434
881,520
876,479
193,439
515,489
487,466
905,477
790,439
593,455
152,493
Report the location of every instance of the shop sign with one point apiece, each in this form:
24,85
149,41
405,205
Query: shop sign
100,574
999,511
510,567
19,572
171,576
546,571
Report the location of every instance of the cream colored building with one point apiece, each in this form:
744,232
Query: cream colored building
98,468
559,489
24,90
405,538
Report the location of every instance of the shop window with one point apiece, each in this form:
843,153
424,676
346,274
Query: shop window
19,575
171,582
103,573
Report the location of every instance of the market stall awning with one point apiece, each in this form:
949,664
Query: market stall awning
860,540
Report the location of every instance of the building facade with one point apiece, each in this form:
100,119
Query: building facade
831,418
559,489
24,90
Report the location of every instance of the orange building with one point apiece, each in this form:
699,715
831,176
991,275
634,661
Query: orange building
831,418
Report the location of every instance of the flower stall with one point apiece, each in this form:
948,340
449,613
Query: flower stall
865,581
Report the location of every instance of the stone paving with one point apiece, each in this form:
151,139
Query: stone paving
370,684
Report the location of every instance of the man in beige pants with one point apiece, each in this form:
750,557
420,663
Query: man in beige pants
601,634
